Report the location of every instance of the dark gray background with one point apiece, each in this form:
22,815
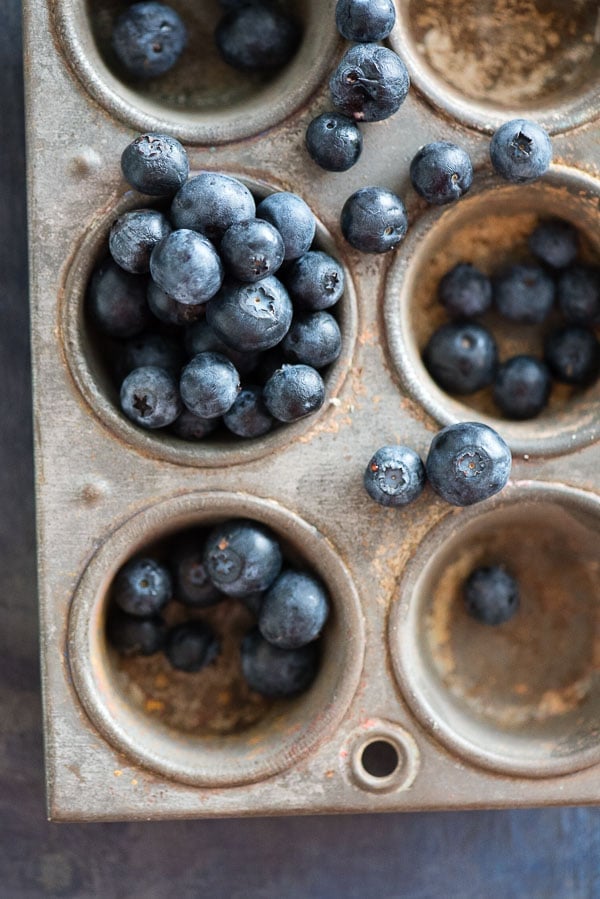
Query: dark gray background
545,853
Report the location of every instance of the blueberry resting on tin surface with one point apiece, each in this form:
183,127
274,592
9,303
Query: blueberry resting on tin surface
150,398
294,610
155,164
242,557
522,387
148,39
142,587
294,391
370,83
491,595
257,37
374,220
524,293
334,141
314,340
467,463
441,172
464,291
275,672
520,151
395,476
315,281
555,242
365,21
573,355
461,357
191,646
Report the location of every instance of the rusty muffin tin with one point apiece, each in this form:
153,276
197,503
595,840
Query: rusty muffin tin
466,716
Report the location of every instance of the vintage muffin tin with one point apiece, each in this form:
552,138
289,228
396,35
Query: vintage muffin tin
464,716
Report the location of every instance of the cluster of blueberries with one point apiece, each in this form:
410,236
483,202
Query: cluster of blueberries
213,310
462,356
240,559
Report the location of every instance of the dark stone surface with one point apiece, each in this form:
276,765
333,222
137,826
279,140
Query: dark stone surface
544,853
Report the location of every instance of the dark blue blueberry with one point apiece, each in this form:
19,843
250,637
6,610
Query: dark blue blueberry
395,476
193,587
150,398
555,242
578,293
250,317
249,417
441,172
573,355
209,385
251,250
200,338
169,311
520,151
158,350
186,266
315,281
142,587
148,39
211,203
242,557
191,646
334,141
155,164
133,636
116,301
374,220
278,673
257,37
467,463
370,83
191,427
524,293
294,610
294,391
133,237
313,340
364,21
522,387
291,216
465,291
491,595
461,357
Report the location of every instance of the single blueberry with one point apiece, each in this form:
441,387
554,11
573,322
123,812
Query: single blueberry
555,242
315,281
291,216
395,476
150,398
191,427
294,391
193,587
294,610
520,151
211,203
522,387
158,350
441,172
491,595
133,237
573,355
314,340
524,293
116,301
468,462
364,21
251,250
334,141
191,646
578,292
461,357
133,636
249,417
278,673
142,587
170,311
209,385
155,164
186,266
242,557
374,220
257,37
148,39
250,317
464,291
370,83
201,338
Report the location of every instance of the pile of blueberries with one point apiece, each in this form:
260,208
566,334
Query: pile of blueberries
241,560
462,355
213,310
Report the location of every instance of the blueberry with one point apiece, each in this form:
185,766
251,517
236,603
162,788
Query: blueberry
169,311
186,266
193,587
578,293
149,397
155,164
209,385
142,587
291,216
468,462
148,39
464,291
155,350
191,427
191,646
116,301
365,20
374,220
522,387
278,673
573,355
248,417
133,636
294,391
491,595
133,237
313,340
251,317
520,151
294,610
441,172
395,476
242,557
251,250
201,338
211,203
315,281
334,142
370,83
257,37
555,242
524,293
461,357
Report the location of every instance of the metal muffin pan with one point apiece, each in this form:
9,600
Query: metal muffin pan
399,665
